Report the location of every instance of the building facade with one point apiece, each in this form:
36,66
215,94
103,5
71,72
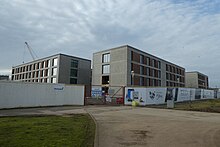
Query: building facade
128,66
58,68
196,79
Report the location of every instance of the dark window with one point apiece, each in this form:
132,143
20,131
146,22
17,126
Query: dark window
148,71
73,81
74,63
159,82
159,65
159,74
141,59
141,70
73,72
42,64
105,79
37,74
132,55
33,74
46,72
33,66
132,67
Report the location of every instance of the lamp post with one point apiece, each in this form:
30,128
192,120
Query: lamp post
132,75
178,80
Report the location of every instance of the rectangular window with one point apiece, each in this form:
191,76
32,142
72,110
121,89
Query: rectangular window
73,81
106,58
73,72
159,74
141,70
131,55
55,62
48,63
106,69
105,79
141,81
159,64
159,82
41,73
74,63
153,62
37,74
148,71
155,82
153,72
53,80
33,74
46,73
148,61
42,64
141,59
34,65
132,67
54,71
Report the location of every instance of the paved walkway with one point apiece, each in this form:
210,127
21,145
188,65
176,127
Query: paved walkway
146,127
142,127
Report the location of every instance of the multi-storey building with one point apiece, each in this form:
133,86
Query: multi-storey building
126,66
58,68
196,79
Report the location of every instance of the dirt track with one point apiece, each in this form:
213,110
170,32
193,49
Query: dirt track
126,126
142,127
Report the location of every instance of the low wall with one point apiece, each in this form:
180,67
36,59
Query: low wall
148,96
19,94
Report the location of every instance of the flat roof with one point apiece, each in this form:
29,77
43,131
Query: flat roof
59,54
128,46
196,72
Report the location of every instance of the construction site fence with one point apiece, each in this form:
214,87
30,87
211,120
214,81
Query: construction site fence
122,95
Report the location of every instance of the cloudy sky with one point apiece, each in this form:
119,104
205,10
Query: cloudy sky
185,32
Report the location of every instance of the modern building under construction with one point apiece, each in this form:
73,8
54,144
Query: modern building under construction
128,66
59,68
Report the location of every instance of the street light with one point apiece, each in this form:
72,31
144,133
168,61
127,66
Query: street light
178,80
132,80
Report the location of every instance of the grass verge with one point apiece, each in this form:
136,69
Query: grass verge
212,105
72,130
202,105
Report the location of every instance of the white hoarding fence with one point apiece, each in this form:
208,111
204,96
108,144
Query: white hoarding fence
147,96
19,94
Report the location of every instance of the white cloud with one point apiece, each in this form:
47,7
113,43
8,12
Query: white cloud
183,32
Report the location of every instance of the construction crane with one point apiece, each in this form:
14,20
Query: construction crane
33,55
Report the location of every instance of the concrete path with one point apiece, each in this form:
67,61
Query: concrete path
142,127
146,127
43,111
